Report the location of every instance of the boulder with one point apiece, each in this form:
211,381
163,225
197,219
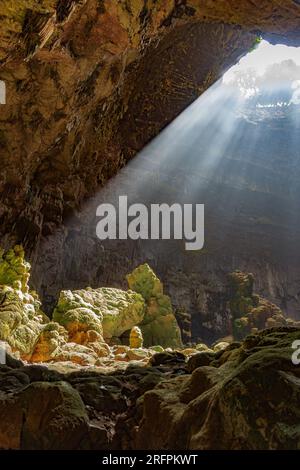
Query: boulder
137,354
240,403
106,310
220,346
52,338
43,416
174,357
200,359
159,325
189,351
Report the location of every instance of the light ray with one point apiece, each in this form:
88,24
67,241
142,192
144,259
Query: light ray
216,153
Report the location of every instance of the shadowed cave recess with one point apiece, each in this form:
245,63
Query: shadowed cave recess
165,102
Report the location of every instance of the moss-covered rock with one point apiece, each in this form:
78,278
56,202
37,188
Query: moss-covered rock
108,310
13,267
159,326
144,281
55,418
250,312
162,331
238,401
21,319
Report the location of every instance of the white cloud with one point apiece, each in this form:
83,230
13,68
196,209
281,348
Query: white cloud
267,69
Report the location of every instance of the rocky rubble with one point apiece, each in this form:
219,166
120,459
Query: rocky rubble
235,399
109,327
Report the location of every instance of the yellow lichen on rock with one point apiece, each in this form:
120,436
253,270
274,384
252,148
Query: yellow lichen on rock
21,319
159,325
136,338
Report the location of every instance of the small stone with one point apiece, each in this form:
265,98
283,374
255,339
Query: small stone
136,338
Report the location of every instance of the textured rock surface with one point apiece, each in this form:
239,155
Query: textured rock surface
84,322
237,401
159,325
21,320
104,310
77,108
249,312
43,416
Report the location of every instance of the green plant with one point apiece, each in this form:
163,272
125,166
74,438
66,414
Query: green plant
256,43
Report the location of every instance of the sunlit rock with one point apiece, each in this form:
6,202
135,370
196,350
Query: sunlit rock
108,310
21,319
220,346
189,351
50,341
136,338
137,354
159,325
144,281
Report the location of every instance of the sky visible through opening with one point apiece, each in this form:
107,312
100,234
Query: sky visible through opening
268,67
262,91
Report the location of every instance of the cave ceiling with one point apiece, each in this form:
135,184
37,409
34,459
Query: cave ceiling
89,83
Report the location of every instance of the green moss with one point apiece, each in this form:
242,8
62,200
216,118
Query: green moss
249,311
13,268
144,281
159,325
113,310
256,43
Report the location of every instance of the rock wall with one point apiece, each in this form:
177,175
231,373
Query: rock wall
79,99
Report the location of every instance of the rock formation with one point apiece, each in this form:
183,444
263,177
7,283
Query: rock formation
108,311
217,407
250,312
85,323
135,338
21,319
235,399
159,325
88,83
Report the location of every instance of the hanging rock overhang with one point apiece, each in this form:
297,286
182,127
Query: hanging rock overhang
90,82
